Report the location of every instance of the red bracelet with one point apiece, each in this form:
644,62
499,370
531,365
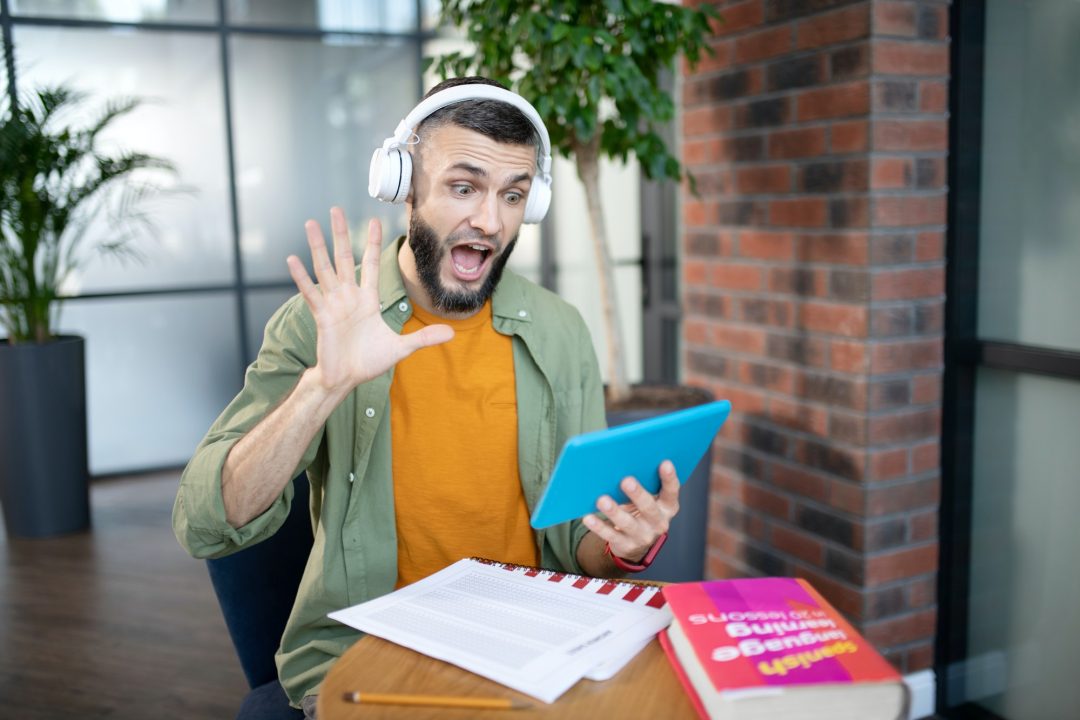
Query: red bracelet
643,563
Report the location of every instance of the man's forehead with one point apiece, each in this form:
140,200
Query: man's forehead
450,145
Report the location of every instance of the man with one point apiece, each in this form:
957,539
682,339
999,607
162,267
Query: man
427,400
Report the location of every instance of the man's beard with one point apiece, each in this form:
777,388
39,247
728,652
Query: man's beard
429,252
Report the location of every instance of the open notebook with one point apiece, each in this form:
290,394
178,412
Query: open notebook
536,631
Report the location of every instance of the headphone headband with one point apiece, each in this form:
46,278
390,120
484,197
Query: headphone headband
463,93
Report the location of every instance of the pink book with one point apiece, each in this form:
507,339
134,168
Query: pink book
774,645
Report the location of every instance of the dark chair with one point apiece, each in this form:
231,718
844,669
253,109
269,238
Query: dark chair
256,588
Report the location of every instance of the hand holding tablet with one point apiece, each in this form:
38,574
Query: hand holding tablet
593,464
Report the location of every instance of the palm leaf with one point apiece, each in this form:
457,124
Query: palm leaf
54,180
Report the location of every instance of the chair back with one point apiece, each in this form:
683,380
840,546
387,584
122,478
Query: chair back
256,588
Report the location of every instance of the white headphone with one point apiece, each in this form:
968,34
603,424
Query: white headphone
391,166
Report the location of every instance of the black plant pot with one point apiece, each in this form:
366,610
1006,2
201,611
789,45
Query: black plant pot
44,481
682,558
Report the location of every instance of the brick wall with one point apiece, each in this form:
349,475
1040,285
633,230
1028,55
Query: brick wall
813,282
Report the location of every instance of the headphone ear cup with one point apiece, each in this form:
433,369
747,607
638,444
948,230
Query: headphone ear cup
536,206
405,173
389,175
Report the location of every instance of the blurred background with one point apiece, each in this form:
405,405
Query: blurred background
270,118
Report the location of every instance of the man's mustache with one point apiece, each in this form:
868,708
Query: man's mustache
470,235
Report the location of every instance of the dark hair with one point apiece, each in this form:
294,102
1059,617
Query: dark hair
497,120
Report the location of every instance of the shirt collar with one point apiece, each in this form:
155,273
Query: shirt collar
391,285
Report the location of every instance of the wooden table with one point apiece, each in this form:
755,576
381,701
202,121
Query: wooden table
645,688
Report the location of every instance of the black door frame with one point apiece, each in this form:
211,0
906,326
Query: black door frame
965,351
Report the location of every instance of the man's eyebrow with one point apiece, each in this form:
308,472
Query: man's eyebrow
477,171
471,169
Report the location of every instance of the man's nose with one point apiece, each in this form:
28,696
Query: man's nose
486,216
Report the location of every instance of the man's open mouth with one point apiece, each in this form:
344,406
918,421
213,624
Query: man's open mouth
469,260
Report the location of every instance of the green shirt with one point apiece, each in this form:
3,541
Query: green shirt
354,555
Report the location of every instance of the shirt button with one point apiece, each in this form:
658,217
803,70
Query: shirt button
403,307
522,313
370,412
352,478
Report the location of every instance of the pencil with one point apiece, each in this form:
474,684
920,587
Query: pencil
435,701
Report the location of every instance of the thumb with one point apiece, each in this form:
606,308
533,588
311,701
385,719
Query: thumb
426,337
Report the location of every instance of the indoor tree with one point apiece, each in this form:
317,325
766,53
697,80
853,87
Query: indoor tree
56,176
593,70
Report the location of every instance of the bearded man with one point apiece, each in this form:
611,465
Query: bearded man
426,394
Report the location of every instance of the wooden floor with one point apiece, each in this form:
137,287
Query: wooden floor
116,623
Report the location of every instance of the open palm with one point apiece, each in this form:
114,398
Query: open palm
354,343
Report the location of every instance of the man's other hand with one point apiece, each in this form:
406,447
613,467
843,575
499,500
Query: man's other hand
631,529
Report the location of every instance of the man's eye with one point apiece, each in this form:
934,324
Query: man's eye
514,198
462,190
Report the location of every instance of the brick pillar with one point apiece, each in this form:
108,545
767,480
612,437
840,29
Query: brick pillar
813,287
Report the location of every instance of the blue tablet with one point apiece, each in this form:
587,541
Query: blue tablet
593,464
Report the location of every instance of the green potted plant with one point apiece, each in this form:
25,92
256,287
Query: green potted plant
594,71
54,179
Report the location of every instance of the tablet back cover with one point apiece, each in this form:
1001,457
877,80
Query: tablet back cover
593,464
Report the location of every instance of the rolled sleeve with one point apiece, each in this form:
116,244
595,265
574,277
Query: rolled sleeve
199,512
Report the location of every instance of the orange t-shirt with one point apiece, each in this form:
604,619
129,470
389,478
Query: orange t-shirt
453,424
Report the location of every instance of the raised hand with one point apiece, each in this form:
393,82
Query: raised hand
354,344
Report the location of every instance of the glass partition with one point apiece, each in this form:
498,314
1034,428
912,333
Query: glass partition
181,118
577,275
260,306
1023,629
309,113
1030,223
120,11
158,371
353,15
